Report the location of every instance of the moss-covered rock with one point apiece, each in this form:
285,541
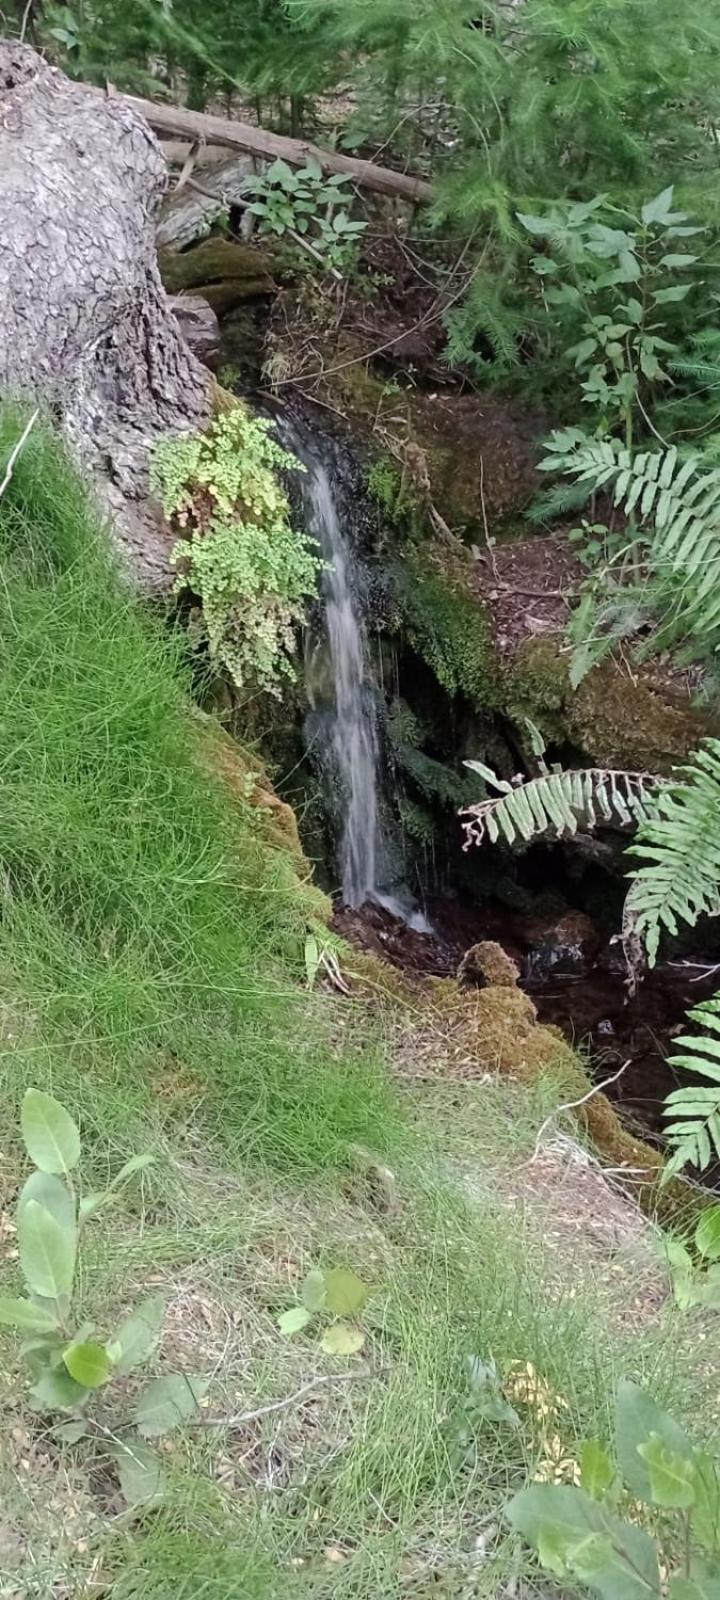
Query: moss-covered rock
223,272
644,720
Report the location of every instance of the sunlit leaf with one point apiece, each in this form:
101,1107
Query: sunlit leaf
51,1137
294,1320
88,1364
168,1402
47,1252
342,1340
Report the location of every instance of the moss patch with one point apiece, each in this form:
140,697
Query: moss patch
225,274
446,625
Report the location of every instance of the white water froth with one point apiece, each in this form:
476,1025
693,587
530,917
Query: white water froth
354,735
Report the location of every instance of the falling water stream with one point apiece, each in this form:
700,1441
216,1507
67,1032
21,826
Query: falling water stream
353,732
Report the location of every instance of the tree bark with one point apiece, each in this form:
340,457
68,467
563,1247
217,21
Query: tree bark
85,323
175,122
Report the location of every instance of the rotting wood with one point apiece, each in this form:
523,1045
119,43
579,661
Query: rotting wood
175,122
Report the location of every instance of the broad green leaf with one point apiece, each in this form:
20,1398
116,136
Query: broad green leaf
47,1252
706,1287
707,1234
659,209
706,1513
71,1432
26,1314
51,1137
534,225
678,261
597,1473
168,1402
140,1472
672,1476
584,1539
57,1391
637,1418
88,1364
314,1290
544,266
138,1335
345,1293
665,297
294,1320
342,1340
703,1584
52,1193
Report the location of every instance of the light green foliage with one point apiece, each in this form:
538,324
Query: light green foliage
384,485
238,551
693,1131
303,201
611,281
667,565
696,1278
557,803
582,1536
334,1296
679,846
69,1364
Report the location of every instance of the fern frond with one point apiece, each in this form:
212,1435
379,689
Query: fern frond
680,844
678,502
557,803
693,1134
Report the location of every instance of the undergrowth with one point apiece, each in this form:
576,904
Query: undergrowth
150,938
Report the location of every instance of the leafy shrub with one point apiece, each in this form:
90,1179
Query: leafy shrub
237,550
71,1368
303,201
337,1295
697,1283
647,1524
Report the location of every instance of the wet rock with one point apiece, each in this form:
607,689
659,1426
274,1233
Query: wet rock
487,964
566,946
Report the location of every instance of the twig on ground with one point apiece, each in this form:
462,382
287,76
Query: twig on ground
291,1400
572,1105
16,451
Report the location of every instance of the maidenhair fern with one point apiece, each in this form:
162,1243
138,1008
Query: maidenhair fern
556,802
675,506
693,1131
679,844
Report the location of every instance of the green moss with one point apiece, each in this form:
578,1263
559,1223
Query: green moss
449,628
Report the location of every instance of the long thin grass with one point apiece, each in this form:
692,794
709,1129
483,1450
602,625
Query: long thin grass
149,936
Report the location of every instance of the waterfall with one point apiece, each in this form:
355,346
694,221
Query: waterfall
350,714
353,733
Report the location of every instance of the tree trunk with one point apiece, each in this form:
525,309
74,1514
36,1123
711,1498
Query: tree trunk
84,321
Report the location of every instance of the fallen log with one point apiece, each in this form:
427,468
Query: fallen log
175,122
